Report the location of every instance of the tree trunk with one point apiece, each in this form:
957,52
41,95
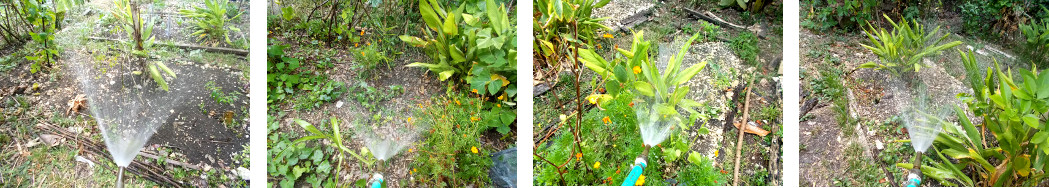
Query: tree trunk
137,25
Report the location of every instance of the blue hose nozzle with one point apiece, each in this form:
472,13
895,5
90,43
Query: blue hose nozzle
635,172
376,181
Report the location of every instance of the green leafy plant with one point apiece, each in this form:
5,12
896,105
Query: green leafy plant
749,5
665,92
292,161
609,148
307,156
901,51
210,22
1013,115
46,18
218,95
1037,42
847,14
561,26
746,47
478,46
286,77
141,38
451,154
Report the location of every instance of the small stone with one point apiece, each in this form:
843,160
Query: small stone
879,145
338,104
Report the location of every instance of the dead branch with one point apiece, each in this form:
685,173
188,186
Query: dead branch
190,47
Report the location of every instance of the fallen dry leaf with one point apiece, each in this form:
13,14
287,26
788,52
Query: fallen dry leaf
753,129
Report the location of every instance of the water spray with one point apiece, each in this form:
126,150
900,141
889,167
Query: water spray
922,129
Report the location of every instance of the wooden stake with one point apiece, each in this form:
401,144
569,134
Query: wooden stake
739,142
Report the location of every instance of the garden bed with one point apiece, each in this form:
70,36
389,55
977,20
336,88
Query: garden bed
203,142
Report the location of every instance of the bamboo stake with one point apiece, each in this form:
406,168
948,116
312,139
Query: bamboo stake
739,142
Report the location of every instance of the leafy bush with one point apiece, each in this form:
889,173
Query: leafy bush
901,51
286,76
748,5
452,155
43,17
846,14
1036,45
210,22
746,46
477,47
993,18
294,160
1013,115
562,26
665,92
612,140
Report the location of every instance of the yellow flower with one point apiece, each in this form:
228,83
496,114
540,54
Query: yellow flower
499,105
474,118
597,165
609,36
356,45
369,43
457,102
500,97
410,150
606,120
475,90
362,32
640,180
473,149
592,99
637,70
716,153
409,119
579,156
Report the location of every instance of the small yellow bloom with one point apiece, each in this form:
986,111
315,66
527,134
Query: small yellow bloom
640,180
369,43
716,153
356,45
362,32
410,150
474,118
473,149
579,156
500,97
598,46
606,120
597,165
637,70
475,90
457,102
499,105
362,53
609,36
592,99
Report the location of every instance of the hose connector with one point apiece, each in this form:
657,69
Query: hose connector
376,180
913,180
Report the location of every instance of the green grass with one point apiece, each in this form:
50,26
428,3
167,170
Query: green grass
745,45
860,171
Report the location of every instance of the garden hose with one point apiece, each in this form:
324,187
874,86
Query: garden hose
914,178
120,178
376,181
635,172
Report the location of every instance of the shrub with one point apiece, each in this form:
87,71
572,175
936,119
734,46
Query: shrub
901,51
612,138
562,26
286,77
210,22
847,15
1036,43
46,19
993,18
452,154
1013,115
477,47
746,47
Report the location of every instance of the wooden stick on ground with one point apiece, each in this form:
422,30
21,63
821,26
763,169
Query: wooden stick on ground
739,142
